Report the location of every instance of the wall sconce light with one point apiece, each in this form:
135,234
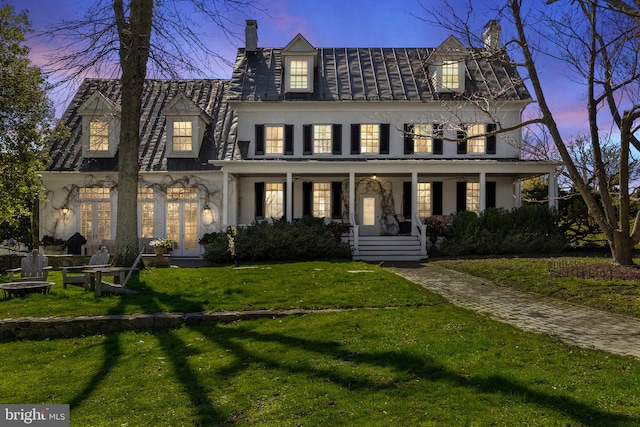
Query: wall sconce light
65,210
206,210
374,177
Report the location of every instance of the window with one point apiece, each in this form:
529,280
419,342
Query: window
95,213
321,199
182,136
274,200
98,136
322,139
298,74
475,143
423,138
369,138
473,197
146,203
274,141
424,199
450,75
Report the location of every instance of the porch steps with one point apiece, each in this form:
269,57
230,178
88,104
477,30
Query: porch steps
388,248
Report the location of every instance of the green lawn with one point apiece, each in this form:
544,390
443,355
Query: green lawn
401,357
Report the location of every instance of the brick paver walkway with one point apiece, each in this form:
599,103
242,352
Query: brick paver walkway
581,326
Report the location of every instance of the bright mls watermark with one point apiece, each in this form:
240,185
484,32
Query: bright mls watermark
34,415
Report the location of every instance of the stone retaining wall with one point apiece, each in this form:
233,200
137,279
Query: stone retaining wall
66,327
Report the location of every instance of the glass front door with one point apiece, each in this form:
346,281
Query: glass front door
370,215
182,222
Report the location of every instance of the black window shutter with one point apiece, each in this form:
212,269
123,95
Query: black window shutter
336,200
288,139
385,130
491,139
436,193
462,143
461,196
284,199
408,138
259,199
307,198
491,195
406,200
355,139
336,134
437,138
307,139
259,139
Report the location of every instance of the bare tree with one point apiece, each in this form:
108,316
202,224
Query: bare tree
599,44
122,37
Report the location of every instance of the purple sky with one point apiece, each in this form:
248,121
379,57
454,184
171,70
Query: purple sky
325,23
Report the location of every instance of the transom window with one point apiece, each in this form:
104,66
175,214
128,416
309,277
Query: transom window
274,139
321,199
473,197
450,76
369,138
182,193
94,193
274,200
475,143
424,199
423,138
182,136
322,138
298,74
99,136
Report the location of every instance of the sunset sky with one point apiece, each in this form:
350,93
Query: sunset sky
326,23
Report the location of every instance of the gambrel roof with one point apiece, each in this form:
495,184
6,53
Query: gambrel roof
206,95
372,74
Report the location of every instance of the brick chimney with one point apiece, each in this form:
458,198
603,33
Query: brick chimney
491,35
251,35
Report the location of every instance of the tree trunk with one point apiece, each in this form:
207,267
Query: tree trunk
134,35
622,248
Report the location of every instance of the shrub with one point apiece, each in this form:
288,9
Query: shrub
527,229
306,239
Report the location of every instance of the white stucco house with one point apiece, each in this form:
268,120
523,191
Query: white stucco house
357,135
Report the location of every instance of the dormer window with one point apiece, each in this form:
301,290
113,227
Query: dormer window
100,126
299,60
447,66
450,75
185,127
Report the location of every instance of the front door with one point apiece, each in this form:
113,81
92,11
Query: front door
370,213
182,222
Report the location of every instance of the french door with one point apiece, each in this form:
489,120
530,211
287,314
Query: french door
182,221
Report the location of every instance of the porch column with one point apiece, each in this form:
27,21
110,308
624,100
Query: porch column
289,201
414,201
553,188
352,197
483,191
225,198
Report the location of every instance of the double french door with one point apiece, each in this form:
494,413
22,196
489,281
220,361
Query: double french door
182,221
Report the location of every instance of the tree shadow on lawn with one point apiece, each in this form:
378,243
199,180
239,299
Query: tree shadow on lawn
426,368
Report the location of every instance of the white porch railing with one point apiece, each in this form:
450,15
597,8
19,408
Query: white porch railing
422,230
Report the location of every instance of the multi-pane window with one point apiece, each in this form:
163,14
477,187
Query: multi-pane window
274,200
473,197
321,199
178,193
450,76
475,141
146,203
95,213
298,74
182,136
322,138
274,139
423,138
99,136
424,199
369,138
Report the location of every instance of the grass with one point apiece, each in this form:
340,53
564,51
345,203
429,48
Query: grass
403,357
531,275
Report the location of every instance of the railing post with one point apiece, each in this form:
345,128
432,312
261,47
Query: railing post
356,232
423,235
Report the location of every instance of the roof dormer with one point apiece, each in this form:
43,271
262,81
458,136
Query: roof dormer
447,66
186,124
299,60
100,126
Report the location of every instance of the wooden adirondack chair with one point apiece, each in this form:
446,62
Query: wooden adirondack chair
99,259
33,267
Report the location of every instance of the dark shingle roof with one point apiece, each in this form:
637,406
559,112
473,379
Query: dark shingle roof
370,74
208,95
